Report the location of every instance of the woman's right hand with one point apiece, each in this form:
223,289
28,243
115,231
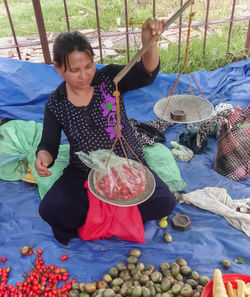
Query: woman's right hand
42,162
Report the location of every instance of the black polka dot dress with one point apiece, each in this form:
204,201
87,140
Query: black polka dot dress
94,127
65,206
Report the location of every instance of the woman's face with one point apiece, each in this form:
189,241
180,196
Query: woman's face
80,70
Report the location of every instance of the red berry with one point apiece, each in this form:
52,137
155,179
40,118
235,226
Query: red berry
39,251
64,257
3,259
65,278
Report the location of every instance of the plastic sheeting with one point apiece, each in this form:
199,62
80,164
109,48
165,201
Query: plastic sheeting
24,87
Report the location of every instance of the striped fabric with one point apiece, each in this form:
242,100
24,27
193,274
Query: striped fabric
233,153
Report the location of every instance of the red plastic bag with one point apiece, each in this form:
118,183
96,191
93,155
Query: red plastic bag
105,220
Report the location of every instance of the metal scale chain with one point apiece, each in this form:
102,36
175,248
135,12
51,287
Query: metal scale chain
126,69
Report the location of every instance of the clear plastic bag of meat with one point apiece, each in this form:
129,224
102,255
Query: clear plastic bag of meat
114,177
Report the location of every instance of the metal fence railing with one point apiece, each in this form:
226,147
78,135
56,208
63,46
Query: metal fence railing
100,37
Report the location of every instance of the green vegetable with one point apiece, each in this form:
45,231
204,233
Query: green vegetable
136,291
84,294
108,293
117,282
74,293
156,276
240,260
145,292
107,278
165,284
203,280
226,264
186,291
176,288
163,222
167,237
113,271
121,266
185,270
181,262
193,283
195,275
175,269
132,260
135,253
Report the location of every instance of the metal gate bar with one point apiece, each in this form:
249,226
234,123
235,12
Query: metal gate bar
98,30
42,31
247,46
180,29
230,27
66,14
206,26
126,22
45,45
12,29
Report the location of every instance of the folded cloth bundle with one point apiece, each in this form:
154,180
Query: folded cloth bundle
217,200
147,134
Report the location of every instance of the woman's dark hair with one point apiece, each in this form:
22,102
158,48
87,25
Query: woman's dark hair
66,43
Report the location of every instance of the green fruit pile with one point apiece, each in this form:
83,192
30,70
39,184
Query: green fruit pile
135,279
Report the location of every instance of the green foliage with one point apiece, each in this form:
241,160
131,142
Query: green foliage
82,15
215,54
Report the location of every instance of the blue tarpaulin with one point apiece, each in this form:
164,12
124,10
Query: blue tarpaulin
25,87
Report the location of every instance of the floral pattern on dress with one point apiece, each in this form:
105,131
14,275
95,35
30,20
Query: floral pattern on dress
109,110
108,105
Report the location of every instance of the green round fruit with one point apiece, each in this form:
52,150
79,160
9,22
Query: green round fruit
167,237
163,223
226,264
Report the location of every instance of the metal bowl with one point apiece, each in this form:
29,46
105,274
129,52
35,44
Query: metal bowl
135,200
197,109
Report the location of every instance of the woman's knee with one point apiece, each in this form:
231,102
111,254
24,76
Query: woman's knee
160,204
171,204
45,210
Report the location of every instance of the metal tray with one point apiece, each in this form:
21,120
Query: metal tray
141,197
197,109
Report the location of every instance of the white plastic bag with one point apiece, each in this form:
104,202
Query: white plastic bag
181,152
